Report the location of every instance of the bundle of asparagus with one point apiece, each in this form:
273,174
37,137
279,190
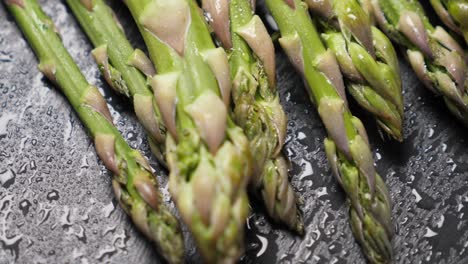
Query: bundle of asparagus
366,58
454,13
123,67
134,184
207,154
257,107
437,59
347,147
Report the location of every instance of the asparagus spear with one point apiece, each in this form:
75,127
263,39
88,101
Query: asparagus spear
347,147
123,67
208,156
454,13
134,184
367,60
437,59
257,107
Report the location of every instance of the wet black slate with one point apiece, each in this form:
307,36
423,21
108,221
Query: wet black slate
56,203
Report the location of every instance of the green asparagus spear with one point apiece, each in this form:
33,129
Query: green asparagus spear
367,60
454,13
208,155
437,59
257,107
123,67
134,184
347,147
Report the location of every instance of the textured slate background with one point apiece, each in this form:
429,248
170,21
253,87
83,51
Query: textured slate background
56,204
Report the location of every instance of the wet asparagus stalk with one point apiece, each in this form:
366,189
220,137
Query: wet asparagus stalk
257,107
134,184
347,147
437,59
367,60
123,67
454,14
208,156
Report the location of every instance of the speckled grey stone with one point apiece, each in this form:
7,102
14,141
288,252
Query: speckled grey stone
56,203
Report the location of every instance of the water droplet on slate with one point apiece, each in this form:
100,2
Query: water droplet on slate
22,169
32,165
49,158
49,111
108,209
53,195
24,206
7,178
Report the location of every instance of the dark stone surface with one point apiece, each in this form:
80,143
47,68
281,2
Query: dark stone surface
56,204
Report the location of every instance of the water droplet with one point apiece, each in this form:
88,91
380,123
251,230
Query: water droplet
301,135
49,158
416,194
22,169
130,136
4,119
84,163
431,132
264,242
454,166
65,218
307,171
49,111
44,214
430,233
81,235
440,223
7,178
108,209
24,206
32,165
378,156
106,253
315,235
53,196
444,147
322,191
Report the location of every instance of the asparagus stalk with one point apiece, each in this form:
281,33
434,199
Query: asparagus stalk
124,68
257,107
134,184
437,59
207,154
367,60
347,147
454,14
